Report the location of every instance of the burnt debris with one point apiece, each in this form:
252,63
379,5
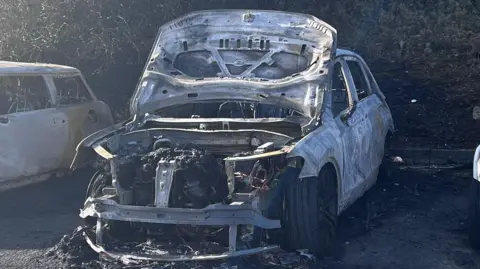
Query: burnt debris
198,179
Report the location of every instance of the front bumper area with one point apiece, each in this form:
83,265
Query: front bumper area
213,215
137,258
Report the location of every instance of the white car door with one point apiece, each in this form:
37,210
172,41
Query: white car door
351,123
30,133
82,114
367,108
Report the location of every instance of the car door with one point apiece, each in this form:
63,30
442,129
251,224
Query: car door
79,112
369,108
379,116
350,121
29,131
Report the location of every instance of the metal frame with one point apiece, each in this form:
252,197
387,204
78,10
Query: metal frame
136,258
231,215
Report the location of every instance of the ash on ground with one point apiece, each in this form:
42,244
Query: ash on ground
74,252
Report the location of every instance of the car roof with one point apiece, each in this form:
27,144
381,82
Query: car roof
345,52
19,68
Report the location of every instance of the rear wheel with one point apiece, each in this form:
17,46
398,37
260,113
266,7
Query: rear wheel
310,217
474,214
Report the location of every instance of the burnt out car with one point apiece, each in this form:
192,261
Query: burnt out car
45,111
249,129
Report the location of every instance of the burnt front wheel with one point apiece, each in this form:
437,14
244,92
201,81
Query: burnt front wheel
310,217
474,214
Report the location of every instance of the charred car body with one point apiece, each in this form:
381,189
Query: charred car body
249,126
56,103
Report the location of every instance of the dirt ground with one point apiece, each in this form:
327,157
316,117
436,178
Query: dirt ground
417,220
428,114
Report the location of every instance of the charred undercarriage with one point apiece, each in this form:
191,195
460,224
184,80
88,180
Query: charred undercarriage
191,198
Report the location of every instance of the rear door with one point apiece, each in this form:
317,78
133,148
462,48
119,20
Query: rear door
30,134
79,111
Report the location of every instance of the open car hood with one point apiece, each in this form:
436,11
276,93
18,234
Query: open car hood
270,57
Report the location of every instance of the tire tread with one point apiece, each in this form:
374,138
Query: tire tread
305,221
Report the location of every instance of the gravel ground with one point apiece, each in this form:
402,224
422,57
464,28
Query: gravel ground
416,221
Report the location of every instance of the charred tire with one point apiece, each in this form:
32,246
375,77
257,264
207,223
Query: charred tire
310,216
474,214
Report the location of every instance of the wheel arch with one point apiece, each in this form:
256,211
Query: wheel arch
319,148
331,163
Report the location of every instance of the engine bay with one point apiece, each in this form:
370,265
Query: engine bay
181,169
202,174
199,178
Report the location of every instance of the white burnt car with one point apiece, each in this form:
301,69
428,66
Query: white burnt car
45,111
249,129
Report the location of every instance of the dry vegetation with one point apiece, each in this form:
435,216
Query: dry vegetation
425,50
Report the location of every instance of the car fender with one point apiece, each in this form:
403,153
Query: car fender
317,149
84,151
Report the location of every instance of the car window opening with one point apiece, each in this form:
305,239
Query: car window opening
22,94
